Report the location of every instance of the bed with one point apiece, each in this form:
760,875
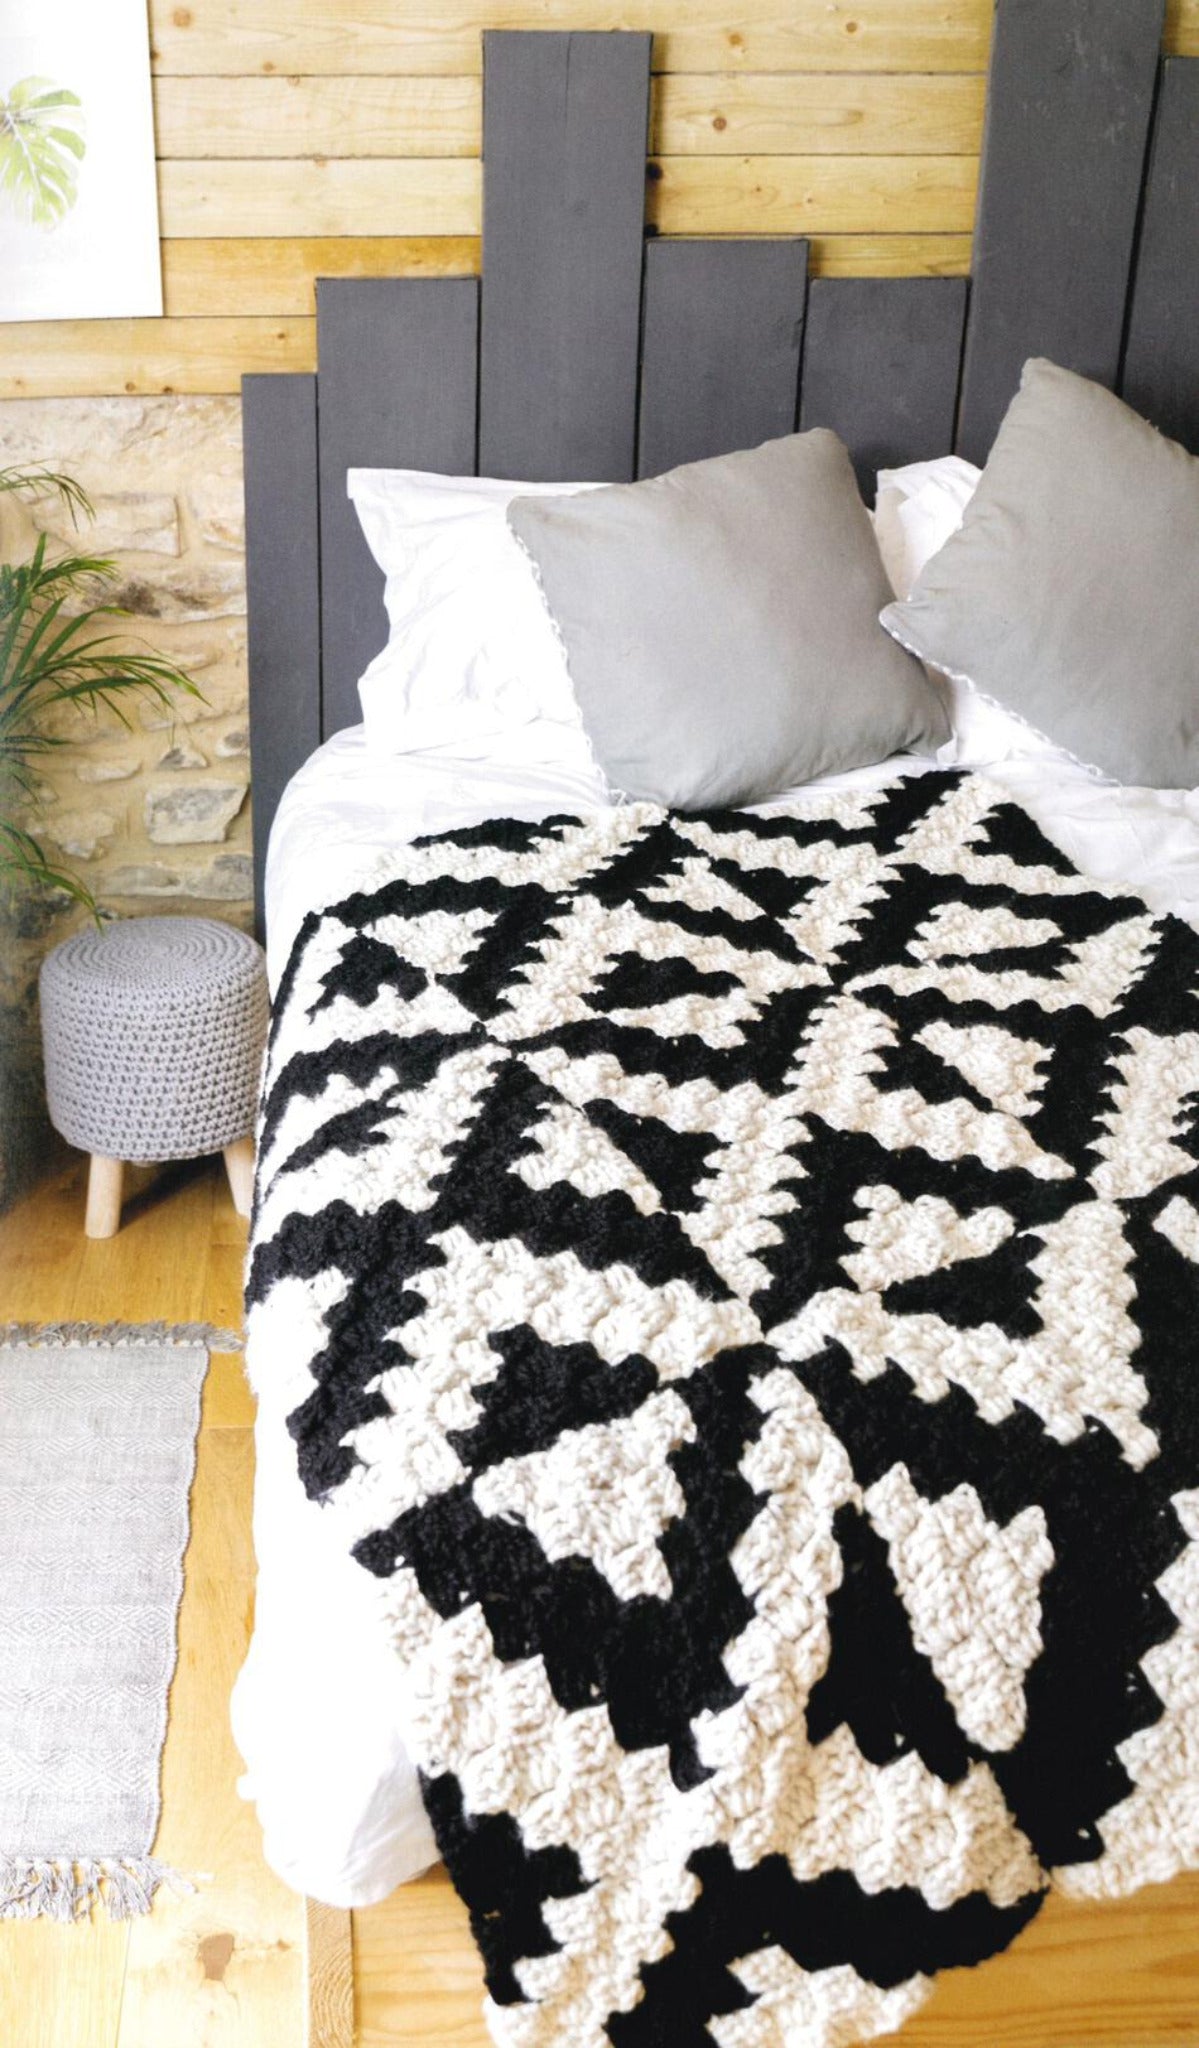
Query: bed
317,1663
599,355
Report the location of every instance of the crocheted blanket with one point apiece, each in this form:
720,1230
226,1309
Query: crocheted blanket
740,1280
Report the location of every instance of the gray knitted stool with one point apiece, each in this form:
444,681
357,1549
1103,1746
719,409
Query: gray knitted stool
153,1031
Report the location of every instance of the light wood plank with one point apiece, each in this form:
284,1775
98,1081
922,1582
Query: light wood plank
158,1260
313,117
726,114
418,1979
224,1967
688,195
245,36
889,256
329,1975
280,196
63,359
223,1286
1122,1974
276,276
35,1268
227,1402
54,1209
60,1987
1182,28
815,114
806,195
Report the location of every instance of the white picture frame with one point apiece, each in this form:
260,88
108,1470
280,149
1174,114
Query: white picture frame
78,191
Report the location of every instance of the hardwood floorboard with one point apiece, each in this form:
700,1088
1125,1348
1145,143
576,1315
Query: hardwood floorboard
34,1272
418,1982
228,1402
60,1987
158,1258
222,1968
1123,1973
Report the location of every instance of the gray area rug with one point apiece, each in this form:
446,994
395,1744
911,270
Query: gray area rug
97,1452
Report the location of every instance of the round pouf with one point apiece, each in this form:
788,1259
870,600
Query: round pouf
153,1031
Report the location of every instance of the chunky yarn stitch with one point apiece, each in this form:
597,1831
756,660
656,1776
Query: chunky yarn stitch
737,1279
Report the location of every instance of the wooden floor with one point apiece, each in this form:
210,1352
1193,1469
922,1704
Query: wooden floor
225,1968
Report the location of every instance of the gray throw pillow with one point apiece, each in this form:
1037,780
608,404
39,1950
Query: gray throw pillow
721,625
1071,592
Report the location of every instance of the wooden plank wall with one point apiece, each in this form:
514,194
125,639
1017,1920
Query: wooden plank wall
339,140
343,140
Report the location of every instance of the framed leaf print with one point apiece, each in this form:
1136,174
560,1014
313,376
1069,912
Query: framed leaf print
78,199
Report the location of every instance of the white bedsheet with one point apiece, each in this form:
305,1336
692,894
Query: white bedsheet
314,1710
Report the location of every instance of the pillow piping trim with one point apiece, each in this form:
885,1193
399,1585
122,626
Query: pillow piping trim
1089,768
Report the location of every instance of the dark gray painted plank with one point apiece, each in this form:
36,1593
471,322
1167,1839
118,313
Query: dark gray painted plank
396,391
565,121
880,366
1161,366
1068,108
282,592
720,347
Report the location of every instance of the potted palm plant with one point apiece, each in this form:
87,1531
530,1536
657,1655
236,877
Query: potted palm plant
55,652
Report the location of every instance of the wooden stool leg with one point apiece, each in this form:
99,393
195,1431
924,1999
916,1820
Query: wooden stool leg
239,1165
104,1178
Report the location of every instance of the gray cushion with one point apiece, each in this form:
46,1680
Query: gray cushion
1071,592
721,625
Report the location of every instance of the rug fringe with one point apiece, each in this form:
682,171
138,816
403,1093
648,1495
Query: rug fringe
59,1334
69,1888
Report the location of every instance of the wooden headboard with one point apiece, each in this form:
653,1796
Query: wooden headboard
589,350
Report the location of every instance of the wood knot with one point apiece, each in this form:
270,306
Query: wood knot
720,123
215,1953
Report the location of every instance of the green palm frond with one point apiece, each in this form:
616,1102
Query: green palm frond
40,482
53,654
41,148
22,858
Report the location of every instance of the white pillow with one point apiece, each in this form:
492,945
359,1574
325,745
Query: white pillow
915,512
917,509
472,653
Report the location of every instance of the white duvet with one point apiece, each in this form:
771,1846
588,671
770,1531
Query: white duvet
314,1709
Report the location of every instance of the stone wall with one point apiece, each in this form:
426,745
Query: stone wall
154,817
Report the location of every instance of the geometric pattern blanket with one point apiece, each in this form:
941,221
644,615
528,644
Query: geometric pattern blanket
740,1277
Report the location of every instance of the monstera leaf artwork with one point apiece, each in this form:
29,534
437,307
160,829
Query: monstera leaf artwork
78,193
41,148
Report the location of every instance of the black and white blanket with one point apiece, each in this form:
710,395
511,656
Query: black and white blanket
740,1277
